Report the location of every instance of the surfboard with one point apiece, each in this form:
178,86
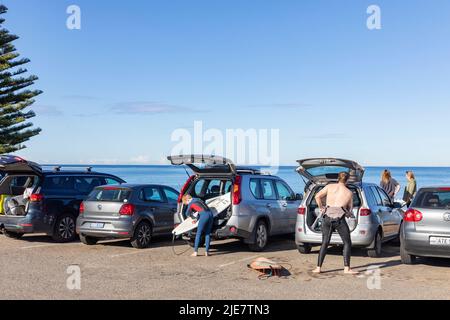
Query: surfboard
217,205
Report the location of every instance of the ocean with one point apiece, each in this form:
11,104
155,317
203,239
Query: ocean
175,176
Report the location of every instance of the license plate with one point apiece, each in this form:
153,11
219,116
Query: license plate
439,241
97,225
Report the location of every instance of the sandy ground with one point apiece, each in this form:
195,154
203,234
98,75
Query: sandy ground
36,268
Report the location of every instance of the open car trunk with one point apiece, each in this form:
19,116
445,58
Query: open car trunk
19,180
313,212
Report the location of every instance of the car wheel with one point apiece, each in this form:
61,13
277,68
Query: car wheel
90,241
12,235
65,228
261,235
405,257
142,235
305,248
377,250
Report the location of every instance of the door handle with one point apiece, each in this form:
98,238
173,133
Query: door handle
152,209
268,205
285,205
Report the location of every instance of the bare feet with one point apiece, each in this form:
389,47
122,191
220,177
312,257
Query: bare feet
317,270
347,270
194,254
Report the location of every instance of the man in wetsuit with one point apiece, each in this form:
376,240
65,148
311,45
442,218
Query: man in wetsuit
339,204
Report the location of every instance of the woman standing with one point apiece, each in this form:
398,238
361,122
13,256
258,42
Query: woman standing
389,184
200,211
411,188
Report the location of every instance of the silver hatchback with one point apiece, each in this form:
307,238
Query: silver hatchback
262,205
376,218
426,228
127,211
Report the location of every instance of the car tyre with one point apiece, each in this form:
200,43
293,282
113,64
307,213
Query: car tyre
261,237
305,248
142,235
90,241
377,250
65,228
405,257
12,235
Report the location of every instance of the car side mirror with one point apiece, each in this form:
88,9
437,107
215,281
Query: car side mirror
398,205
387,203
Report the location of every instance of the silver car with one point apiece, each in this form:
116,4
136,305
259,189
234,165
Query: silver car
127,211
376,218
261,205
426,228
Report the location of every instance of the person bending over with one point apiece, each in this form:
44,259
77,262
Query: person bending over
339,204
200,211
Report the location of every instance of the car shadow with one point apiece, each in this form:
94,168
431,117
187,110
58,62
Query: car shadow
433,262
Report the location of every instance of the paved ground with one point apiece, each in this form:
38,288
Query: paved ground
36,268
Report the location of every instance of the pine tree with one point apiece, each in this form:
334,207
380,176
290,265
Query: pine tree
14,95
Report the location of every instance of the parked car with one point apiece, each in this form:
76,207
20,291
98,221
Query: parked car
262,205
377,218
127,211
426,228
47,200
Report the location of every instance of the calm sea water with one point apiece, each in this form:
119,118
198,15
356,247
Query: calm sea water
175,176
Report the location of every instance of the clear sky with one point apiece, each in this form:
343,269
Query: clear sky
115,90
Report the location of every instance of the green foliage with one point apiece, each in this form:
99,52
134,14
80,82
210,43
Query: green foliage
15,129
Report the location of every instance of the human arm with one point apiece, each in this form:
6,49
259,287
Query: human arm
319,196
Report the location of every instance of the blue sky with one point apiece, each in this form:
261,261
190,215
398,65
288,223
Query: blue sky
115,90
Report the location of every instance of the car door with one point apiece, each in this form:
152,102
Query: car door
288,206
270,201
154,205
389,219
172,203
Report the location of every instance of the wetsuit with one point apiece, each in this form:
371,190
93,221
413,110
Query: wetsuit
205,221
334,220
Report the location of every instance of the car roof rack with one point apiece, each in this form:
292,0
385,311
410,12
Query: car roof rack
88,169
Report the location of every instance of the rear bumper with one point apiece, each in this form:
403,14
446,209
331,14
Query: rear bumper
418,244
17,224
111,228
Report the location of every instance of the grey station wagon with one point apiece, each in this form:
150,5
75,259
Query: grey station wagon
377,218
137,212
261,205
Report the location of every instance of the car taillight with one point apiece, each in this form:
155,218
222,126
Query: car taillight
82,208
184,189
301,211
237,190
364,212
412,215
127,210
36,197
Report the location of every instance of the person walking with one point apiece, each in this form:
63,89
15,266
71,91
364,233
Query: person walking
410,189
389,184
201,213
339,204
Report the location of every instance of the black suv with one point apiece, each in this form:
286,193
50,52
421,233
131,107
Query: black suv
33,200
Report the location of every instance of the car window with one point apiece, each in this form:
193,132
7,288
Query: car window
284,192
384,197
152,194
110,181
213,189
435,199
59,185
171,195
377,196
268,190
86,184
109,194
255,188
227,187
198,189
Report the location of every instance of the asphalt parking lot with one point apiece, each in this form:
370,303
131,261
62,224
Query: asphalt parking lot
36,268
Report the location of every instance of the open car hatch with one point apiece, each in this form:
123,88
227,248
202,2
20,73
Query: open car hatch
11,165
325,170
203,164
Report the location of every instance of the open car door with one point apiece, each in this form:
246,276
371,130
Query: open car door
325,170
15,165
203,164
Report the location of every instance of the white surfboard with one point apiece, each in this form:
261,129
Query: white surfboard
216,205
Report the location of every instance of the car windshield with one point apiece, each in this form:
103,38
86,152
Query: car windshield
109,194
437,199
325,170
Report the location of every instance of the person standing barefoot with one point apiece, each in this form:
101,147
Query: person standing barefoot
339,203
